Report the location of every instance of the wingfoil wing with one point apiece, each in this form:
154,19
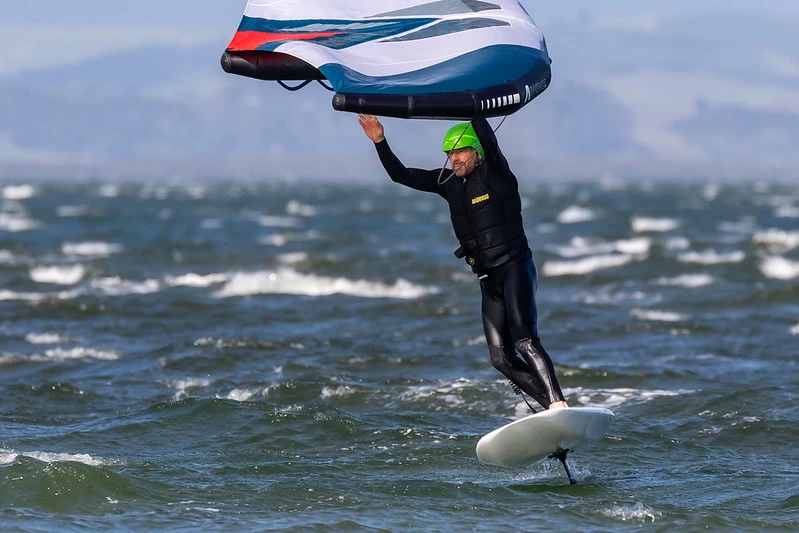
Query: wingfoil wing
401,58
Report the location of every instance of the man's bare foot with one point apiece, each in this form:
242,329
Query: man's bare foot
558,405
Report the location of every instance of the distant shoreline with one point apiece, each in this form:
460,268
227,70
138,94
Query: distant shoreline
362,169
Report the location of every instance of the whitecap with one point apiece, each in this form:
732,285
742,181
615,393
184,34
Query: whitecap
585,265
281,239
677,243
687,280
18,192
336,392
16,223
655,315
212,223
574,214
23,296
91,248
580,246
611,398
7,258
712,257
62,354
9,456
795,330
642,224
241,395
71,211
787,211
115,286
278,221
292,258
445,391
45,338
299,209
182,386
109,191
638,512
779,268
195,280
288,281
637,246
58,275
777,240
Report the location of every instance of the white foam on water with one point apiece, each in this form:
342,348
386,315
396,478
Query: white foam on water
654,315
687,280
712,257
574,214
39,296
445,391
109,191
612,398
58,275
677,243
241,395
7,258
642,224
22,296
9,456
18,192
638,512
281,239
293,207
795,330
116,286
182,386
63,354
195,280
272,221
45,338
777,240
71,211
292,258
580,246
786,211
636,246
288,281
777,267
585,265
212,223
336,392
15,223
91,248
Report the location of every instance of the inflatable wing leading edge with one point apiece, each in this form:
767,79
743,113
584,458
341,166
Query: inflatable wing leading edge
455,59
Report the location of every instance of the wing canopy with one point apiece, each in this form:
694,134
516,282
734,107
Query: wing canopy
402,58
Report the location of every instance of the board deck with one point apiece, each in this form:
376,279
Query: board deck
538,436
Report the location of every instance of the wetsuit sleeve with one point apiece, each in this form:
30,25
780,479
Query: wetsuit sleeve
488,141
415,178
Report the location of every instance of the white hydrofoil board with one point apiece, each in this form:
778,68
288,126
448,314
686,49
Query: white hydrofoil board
538,436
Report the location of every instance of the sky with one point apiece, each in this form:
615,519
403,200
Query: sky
53,32
707,95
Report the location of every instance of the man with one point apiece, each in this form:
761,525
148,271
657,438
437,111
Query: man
485,209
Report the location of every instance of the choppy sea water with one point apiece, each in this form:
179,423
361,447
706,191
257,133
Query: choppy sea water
255,357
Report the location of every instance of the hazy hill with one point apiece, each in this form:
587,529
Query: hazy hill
700,90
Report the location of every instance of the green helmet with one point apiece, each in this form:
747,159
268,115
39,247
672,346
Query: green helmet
461,136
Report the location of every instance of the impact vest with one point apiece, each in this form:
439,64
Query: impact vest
486,215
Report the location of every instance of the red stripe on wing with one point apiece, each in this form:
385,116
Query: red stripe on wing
251,40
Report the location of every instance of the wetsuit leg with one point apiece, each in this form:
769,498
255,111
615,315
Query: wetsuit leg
521,280
500,342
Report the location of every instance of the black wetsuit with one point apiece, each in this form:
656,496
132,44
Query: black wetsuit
485,209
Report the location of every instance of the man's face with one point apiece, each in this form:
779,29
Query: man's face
463,160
